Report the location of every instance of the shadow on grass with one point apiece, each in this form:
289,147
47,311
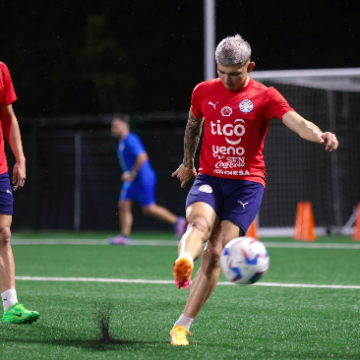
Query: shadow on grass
104,342
116,344
95,345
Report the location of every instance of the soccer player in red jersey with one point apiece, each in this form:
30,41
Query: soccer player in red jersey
14,313
235,112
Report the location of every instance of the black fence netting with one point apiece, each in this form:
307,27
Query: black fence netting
300,170
73,174
74,182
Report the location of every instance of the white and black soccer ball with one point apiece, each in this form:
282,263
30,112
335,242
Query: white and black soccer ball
244,260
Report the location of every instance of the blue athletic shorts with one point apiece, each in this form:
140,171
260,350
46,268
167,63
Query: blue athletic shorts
235,200
141,190
6,195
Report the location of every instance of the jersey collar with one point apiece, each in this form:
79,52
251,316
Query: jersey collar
244,89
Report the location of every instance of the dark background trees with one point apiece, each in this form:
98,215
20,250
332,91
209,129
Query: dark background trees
73,57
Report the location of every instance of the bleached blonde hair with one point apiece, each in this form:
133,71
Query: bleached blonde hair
233,50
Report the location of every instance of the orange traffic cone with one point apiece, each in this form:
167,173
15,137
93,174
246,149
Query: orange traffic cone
299,220
356,235
304,222
252,230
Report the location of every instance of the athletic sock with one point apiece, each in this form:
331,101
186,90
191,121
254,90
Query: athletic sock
186,255
9,298
184,321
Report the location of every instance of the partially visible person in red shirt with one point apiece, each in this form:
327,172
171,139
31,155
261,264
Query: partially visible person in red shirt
227,193
14,313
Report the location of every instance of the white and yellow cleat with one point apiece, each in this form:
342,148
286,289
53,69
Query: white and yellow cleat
178,336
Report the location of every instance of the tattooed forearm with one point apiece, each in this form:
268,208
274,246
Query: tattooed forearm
191,139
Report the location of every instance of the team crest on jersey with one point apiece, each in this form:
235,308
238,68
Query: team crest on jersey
226,111
206,189
246,106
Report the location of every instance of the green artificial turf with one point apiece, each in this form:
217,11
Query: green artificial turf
88,320
237,322
311,266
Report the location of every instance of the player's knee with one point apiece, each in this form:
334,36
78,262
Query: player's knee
123,207
210,260
148,210
5,236
203,225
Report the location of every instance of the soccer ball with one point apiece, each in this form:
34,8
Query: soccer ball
244,260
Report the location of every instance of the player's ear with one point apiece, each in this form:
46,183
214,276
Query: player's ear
250,66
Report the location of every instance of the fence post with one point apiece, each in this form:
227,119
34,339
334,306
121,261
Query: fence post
34,175
77,182
334,164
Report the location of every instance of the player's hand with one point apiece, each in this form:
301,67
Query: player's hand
19,175
184,174
330,141
127,176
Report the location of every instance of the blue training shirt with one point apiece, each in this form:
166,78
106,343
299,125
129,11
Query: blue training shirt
128,151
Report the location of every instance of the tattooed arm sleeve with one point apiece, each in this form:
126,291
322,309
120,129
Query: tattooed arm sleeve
191,139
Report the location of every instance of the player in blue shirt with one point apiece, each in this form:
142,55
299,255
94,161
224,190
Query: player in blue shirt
139,182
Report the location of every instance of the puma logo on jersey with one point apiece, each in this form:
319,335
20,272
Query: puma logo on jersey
243,204
212,104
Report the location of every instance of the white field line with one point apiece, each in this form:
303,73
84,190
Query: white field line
304,245
291,245
90,242
142,281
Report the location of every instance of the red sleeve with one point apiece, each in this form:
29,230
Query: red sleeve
196,103
7,91
277,106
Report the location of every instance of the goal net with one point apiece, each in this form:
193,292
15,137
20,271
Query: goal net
298,170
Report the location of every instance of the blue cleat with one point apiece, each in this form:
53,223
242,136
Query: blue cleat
180,227
119,240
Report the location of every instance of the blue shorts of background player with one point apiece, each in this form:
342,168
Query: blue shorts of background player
141,190
234,200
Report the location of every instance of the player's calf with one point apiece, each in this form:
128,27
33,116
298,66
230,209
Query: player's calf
210,259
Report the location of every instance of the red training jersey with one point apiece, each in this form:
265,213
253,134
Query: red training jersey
7,96
236,124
